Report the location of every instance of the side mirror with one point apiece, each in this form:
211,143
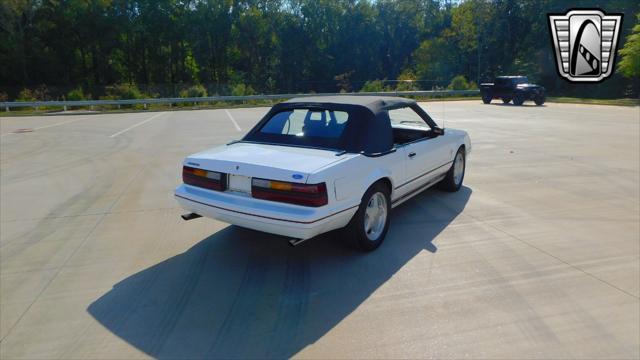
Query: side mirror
438,131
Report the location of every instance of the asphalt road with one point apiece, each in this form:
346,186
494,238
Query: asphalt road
536,257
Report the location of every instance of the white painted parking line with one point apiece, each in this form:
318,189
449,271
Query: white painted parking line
136,125
233,120
60,123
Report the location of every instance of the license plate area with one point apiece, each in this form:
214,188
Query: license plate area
239,183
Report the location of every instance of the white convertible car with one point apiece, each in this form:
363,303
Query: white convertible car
316,164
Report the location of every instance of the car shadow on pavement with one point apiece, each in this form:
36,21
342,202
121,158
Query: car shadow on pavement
514,105
245,294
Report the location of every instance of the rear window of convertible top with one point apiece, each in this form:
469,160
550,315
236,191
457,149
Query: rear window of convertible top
306,127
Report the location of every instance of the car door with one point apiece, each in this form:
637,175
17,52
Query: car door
501,87
427,157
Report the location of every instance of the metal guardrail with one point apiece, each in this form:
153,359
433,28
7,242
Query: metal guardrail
170,101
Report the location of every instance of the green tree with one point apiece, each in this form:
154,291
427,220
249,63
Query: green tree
284,45
629,66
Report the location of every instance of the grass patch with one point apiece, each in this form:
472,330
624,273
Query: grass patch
617,102
445,98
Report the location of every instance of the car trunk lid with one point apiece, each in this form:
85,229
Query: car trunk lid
275,162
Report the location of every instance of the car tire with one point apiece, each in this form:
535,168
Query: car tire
539,100
506,100
486,98
452,181
518,99
368,227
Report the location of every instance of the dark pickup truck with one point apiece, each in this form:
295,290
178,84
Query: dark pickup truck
516,88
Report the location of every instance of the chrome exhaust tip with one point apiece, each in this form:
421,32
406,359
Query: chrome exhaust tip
294,242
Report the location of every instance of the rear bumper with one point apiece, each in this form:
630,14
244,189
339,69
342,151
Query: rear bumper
277,218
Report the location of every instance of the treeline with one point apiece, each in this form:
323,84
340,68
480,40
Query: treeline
98,48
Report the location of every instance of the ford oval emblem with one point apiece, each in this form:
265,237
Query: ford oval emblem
297,176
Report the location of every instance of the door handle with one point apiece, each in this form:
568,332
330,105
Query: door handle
412,154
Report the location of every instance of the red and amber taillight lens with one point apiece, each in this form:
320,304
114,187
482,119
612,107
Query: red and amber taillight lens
211,180
293,193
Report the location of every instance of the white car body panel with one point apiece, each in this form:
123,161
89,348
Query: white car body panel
295,221
347,177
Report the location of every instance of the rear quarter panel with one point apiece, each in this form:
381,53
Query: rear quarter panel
348,180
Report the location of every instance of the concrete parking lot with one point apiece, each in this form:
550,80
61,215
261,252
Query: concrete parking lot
538,256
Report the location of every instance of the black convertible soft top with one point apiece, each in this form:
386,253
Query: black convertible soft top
373,103
368,130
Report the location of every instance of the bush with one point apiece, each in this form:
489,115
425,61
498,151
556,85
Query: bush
406,85
4,97
242,90
407,81
124,92
26,95
458,83
76,94
373,86
343,81
194,91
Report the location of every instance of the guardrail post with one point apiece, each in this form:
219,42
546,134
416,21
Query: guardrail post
145,106
118,106
7,108
65,108
36,108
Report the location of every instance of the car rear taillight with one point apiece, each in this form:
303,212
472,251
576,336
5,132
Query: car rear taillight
293,193
211,180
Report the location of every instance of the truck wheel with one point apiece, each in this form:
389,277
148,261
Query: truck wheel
486,98
453,180
506,100
368,227
539,100
518,99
